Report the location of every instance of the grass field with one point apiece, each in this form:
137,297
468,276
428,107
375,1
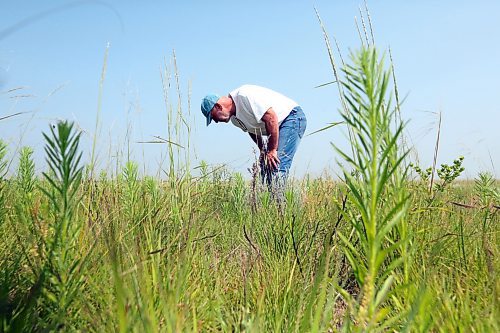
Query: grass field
379,248
191,255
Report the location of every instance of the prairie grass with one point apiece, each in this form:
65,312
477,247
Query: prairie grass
153,259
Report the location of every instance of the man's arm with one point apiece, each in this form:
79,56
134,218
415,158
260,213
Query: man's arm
270,119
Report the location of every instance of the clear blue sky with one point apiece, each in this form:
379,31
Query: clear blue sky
446,53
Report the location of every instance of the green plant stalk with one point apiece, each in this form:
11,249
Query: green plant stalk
64,265
367,307
376,163
3,172
26,174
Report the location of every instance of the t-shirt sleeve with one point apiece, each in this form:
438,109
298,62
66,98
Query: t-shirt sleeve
257,106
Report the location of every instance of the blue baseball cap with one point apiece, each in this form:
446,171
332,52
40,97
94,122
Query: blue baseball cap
207,105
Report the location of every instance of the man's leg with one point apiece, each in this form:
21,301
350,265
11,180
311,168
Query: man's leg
291,131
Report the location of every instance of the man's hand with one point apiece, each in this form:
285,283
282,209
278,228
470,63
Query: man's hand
271,159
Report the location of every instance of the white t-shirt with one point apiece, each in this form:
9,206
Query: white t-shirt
252,102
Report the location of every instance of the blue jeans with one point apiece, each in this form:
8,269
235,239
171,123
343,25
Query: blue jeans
290,132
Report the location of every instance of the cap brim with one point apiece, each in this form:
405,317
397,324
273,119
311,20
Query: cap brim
209,119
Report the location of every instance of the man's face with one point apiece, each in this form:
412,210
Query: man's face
219,114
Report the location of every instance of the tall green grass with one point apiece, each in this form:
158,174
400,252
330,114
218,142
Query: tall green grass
151,261
3,173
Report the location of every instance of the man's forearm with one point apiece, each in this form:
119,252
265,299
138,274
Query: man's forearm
272,129
273,137
271,121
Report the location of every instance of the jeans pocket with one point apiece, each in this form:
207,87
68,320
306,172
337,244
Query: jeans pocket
301,126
